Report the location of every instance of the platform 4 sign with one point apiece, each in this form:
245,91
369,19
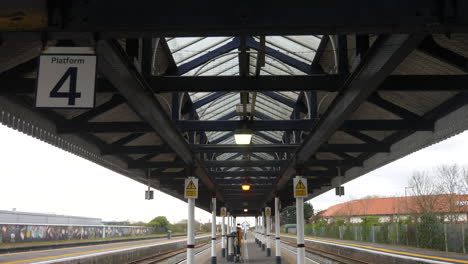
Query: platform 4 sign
66,78
300,187
191,187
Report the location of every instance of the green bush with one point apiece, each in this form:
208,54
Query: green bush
430,232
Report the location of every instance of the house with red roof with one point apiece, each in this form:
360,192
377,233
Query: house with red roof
453,208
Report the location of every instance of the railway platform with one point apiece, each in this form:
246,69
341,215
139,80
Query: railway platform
251,253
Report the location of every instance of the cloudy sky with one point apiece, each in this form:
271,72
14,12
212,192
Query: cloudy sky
37,177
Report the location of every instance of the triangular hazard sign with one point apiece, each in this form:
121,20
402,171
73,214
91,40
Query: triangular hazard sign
191,186
300,185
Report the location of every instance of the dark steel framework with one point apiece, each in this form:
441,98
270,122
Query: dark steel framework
142,69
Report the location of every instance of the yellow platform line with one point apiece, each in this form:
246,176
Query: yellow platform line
85,252
391,251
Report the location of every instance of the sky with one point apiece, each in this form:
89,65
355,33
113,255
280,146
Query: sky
37,177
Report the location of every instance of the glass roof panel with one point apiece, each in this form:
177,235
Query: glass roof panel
300,48
187,49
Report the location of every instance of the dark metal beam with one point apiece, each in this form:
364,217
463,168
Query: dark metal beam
382,58
188,66
267,137
115,101
404,113
277,163
300,65
256,18
226,148
222,138
210,98
114,64
432,48
257,125
127,139
285,101
315,65
328,83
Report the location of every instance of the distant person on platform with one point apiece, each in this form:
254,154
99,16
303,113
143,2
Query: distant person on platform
239,239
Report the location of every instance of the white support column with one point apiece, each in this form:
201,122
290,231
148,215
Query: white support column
256,230
213,231
263,232
300,230
230,253
223,237
228,223
277,231
190,231
268,231
259,231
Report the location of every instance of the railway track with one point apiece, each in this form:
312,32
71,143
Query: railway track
325,255
164,256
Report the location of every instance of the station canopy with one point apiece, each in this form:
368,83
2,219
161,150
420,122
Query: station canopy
329,102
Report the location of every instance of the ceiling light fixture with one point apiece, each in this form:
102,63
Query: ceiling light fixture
243,136
246,210
246,187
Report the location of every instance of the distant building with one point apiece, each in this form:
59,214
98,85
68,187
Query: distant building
452,207
15,217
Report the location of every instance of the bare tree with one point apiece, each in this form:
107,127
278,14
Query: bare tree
464,179
425,192
452,183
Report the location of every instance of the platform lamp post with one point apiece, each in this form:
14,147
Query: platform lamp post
277,231
300,191
213,231
191,193
263,232
268,230
223,231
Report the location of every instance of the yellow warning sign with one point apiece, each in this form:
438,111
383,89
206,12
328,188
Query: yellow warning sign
223,211
300,187
267,211
191,187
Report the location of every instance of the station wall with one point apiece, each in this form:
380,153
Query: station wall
17,233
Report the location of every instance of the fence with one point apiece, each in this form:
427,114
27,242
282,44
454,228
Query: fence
440,236
17,233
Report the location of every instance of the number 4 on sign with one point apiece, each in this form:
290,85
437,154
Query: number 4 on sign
71,74
66,78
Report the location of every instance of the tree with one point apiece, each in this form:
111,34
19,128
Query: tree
288,214
425,192
159,222
451,182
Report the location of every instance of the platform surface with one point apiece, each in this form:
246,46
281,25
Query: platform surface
251,253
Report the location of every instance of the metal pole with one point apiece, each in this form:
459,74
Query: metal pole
277,231
463,237
229,246
259,231
268,231
263,231
213,231
445,237
256,230
300,230
229,223
190,231
223,237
